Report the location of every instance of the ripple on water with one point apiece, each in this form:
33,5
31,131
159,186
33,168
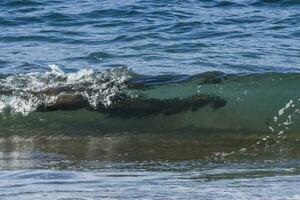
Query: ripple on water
135,30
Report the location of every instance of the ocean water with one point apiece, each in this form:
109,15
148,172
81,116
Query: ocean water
141,99
151,37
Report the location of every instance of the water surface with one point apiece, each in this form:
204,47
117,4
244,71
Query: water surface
245,148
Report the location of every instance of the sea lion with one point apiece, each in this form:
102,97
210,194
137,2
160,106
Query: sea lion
145,82
125,106
111,95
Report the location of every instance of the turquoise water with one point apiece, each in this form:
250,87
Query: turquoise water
149,99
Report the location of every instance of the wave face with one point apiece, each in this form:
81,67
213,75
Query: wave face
118,101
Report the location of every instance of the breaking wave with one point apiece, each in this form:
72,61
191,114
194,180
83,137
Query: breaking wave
119,100
24,93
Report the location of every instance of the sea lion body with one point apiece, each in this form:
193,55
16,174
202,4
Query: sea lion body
126,106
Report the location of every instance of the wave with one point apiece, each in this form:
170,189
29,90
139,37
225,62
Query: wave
119,100
25,93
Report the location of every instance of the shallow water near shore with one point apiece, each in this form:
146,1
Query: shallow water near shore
147,167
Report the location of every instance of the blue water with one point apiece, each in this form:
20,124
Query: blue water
151,37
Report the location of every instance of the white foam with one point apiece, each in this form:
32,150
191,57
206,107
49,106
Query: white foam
23,93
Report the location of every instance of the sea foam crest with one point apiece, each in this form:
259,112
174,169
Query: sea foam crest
24,93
